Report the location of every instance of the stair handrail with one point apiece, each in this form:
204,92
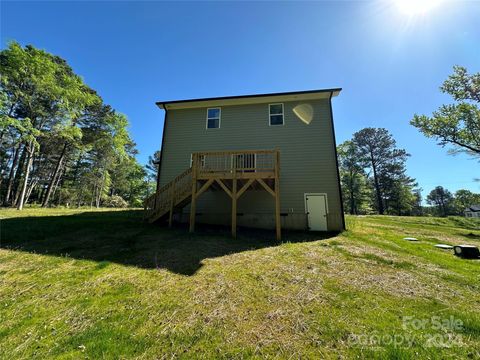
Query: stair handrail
158,201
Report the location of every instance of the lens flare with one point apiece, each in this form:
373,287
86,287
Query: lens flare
416,7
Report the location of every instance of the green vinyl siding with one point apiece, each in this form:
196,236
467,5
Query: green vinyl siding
307,156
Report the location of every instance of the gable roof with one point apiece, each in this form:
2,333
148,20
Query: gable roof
473,208
249,99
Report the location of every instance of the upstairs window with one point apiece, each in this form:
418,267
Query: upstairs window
213,118
276,114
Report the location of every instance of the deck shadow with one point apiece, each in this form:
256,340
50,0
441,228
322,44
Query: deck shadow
122,237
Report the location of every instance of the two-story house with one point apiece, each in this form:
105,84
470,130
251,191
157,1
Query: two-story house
265,160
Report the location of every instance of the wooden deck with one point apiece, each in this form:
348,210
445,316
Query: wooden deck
231,171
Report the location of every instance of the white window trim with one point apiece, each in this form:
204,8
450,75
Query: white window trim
270,114
219,118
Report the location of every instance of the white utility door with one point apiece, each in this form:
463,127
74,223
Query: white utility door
316,207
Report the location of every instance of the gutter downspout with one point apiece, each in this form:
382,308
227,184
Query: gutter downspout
336,162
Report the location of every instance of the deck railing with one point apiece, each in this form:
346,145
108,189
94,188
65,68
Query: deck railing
173,192
213,162
233,171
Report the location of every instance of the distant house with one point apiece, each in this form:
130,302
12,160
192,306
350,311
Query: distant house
268,159
473,211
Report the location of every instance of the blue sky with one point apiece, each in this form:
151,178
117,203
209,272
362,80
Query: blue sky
389,63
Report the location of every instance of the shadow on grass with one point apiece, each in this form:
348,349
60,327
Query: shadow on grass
471,236
122,237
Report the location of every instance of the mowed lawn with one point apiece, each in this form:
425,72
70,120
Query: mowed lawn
103,284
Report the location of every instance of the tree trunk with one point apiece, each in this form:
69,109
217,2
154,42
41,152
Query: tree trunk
352,200
377,185
30,189
11,176
4,169
41,195
53,180
34,170
377,189
57,183
18,176
76,170
29,150
80,196
100,188
99,194
94,195
443,207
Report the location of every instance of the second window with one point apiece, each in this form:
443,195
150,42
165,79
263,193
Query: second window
276,114
213,118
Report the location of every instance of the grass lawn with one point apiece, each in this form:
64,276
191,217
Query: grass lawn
86,284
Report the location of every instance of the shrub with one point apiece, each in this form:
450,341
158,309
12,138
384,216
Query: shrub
115,201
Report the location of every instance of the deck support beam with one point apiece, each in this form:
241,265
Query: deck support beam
224,187
234,204
204,187
176,193
277,197
172,204
245,187
266,187
193,205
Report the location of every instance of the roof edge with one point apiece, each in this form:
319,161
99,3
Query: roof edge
161,104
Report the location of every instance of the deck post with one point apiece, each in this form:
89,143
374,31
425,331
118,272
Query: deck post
193,204
220,167
172,204
277,196
234,200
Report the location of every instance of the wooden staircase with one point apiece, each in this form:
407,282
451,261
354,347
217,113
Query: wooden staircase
174,195
231,171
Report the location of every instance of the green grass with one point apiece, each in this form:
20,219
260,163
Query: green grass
103,284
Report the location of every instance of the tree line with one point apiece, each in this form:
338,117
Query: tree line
373,175
374,180
60,144
445,203
373,169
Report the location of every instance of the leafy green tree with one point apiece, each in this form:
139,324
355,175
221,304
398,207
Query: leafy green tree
442,199
355,187
456,124
130,181
464,199
417,207
377,148
59,142
68,135
39,91
401,196
153,164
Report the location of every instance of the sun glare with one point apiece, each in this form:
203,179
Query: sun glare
416,7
